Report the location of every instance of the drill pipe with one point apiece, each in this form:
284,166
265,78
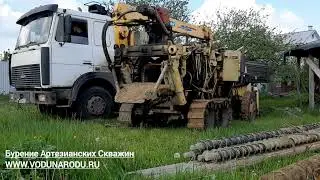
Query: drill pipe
258,147
201,146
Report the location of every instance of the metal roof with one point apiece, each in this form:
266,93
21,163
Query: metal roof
302,37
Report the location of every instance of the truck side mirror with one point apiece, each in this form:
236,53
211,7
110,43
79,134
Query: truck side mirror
67,28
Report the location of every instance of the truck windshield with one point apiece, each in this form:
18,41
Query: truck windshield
35,32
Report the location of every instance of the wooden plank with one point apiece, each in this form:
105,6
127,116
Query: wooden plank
224,166
313,66
299,80
313,69
311,82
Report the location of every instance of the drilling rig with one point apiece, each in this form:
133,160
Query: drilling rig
168,70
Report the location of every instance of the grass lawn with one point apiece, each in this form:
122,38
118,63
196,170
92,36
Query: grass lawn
25,128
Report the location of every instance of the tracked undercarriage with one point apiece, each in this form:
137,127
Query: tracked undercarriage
209,113
201,114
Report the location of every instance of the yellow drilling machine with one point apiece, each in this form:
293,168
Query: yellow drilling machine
166,70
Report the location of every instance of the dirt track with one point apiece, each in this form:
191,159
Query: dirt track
302,170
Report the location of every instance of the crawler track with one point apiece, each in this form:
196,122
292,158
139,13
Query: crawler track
125,113
209,113
197,113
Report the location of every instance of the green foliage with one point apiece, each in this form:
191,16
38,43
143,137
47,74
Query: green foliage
178,8
236,28
289,72
5,56
249,29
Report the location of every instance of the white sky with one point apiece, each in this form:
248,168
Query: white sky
285,20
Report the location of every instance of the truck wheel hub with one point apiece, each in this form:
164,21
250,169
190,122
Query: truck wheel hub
96,105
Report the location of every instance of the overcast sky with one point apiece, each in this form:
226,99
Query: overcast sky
286,15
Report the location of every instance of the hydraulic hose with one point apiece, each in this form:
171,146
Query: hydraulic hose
124,13
104,44
161,22
106,54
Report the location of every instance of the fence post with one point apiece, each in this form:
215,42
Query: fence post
311,87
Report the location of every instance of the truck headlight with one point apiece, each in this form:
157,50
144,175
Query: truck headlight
42,97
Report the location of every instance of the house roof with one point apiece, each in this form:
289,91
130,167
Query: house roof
312,49
302,37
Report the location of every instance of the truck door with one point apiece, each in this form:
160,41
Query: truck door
100,61
72,59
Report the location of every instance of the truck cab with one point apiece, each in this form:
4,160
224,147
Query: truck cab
59,63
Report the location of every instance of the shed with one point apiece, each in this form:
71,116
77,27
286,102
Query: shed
310,52
4,77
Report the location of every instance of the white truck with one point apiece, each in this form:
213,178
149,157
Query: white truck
58,61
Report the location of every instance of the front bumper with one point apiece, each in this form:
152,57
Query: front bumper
33,97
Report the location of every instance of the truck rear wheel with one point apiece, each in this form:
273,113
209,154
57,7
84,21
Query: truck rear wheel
94,102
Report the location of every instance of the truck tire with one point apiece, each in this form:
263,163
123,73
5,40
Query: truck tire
94,102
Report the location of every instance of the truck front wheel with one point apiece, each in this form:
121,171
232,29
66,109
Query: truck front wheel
94,102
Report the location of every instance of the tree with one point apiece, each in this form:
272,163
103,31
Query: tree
236,28
178,8
6,55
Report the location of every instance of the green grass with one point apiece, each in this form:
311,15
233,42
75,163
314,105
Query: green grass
152,146
3,98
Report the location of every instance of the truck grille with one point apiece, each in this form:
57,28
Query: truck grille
26,76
